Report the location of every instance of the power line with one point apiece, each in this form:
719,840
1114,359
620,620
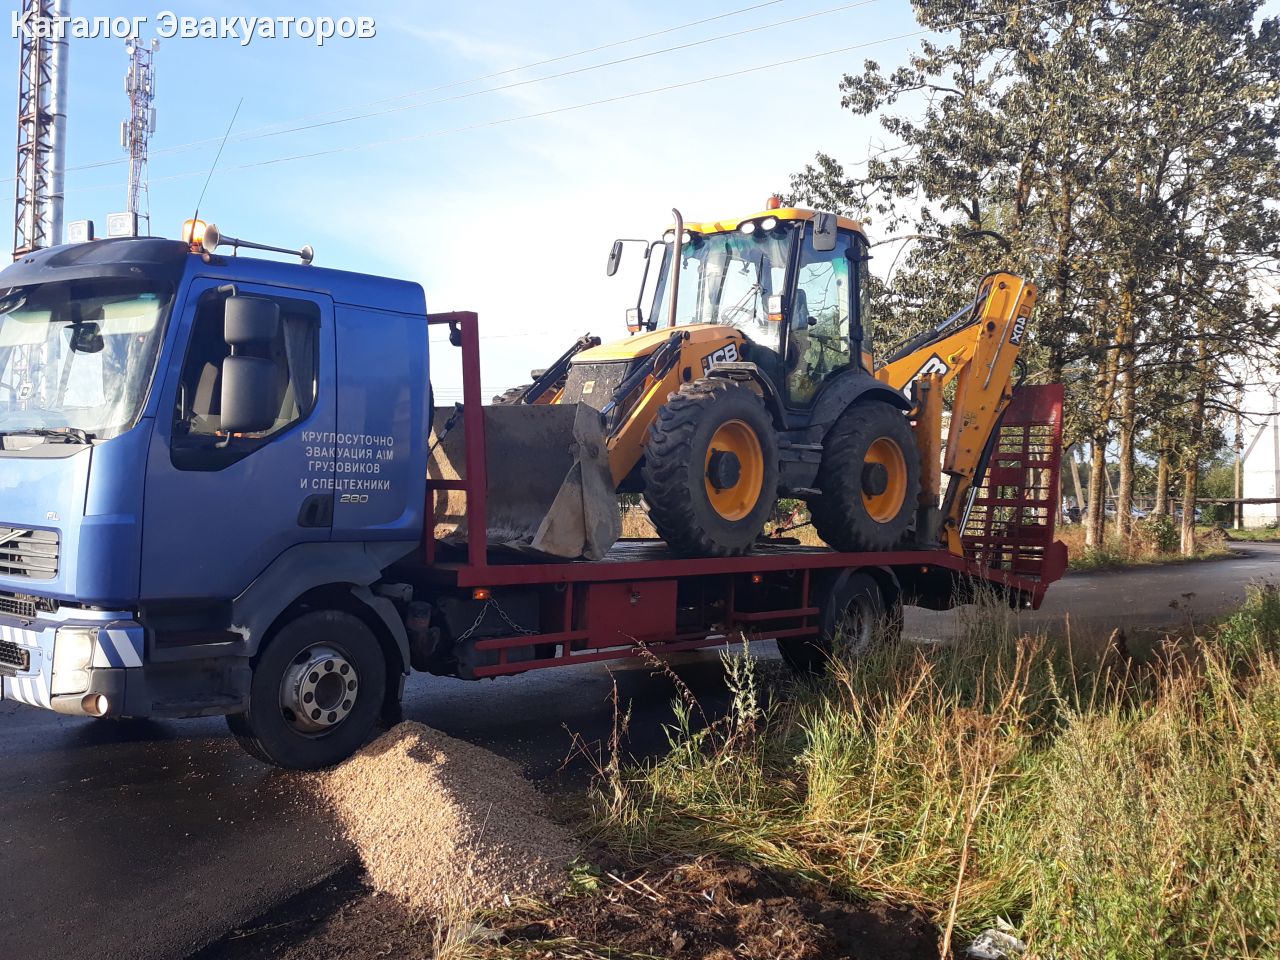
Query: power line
537,63
271,129
589,103
351,148
566,73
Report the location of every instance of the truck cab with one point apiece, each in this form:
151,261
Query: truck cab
195,450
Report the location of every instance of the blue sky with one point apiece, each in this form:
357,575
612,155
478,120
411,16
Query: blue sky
512,219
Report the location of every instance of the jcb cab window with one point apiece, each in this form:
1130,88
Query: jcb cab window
818,344
258,357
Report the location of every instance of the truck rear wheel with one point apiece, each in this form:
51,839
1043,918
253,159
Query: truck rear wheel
854,617
869,479
711,469
316,692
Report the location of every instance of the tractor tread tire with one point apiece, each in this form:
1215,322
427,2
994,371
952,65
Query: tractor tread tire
684,518
839,515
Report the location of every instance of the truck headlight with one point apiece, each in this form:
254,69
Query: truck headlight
72,657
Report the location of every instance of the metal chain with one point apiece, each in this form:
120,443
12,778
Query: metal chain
448,425
511,623
522,631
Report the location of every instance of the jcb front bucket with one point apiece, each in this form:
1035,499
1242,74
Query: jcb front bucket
550,489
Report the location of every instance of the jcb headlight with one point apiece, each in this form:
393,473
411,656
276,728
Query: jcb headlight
72,657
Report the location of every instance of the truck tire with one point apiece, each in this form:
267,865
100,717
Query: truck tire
854,617
317,690
711,469
869,479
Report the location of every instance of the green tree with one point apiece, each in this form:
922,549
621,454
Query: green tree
1121,154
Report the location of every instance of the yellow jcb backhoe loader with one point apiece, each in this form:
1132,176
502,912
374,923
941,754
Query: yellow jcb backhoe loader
747,377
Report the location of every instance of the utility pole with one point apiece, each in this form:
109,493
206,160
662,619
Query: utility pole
135,133
42,128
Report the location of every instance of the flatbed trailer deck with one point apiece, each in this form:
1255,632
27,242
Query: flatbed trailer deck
512,614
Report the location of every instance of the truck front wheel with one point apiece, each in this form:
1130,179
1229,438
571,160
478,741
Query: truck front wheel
316,692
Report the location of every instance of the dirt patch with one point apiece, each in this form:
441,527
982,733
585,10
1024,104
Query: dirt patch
711,909
444,826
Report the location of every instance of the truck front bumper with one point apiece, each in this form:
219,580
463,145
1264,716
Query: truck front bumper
91,677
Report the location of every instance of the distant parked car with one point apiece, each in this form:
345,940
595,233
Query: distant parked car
1137,513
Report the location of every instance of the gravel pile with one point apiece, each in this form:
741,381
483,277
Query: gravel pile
445,826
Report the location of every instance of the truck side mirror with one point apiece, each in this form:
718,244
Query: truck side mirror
250,400
615,257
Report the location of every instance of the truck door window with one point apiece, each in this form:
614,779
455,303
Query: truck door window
199,442
818,343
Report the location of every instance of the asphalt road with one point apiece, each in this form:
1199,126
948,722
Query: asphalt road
149,840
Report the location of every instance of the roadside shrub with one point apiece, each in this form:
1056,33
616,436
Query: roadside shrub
1106,807
1157,533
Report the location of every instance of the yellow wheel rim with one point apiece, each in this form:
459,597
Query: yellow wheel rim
737,500
883,507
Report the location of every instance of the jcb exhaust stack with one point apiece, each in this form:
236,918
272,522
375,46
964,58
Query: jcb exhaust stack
550,489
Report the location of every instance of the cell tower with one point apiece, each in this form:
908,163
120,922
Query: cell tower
135,133
42,129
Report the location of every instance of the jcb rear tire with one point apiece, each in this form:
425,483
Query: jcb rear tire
711,469
869,479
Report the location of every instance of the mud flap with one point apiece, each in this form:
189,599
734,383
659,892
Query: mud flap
550,489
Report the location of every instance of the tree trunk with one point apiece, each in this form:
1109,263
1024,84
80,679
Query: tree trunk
1192,464
1081,502
1063,278
1124,495
1105,338
1096,527
1190,482
1128,416
1162,485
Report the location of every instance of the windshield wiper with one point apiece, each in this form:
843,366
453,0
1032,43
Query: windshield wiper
52,434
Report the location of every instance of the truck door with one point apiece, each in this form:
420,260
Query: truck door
218,508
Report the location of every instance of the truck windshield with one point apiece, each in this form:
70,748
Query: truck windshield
78,355
728,278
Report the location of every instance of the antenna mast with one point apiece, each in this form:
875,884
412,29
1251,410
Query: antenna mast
135,133
42,129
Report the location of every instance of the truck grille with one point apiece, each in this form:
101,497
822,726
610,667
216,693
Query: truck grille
28,553
18,606
14,658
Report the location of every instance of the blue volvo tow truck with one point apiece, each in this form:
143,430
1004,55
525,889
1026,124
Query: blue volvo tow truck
214,500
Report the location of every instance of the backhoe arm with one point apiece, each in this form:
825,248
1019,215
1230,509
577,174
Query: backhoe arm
980,358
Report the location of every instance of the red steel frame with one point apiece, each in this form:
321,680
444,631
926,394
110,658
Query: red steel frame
1008,540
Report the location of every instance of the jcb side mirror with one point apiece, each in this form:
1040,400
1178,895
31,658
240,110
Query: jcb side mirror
824,231
615,257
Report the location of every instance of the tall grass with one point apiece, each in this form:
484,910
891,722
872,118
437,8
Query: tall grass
1106,807
1154,540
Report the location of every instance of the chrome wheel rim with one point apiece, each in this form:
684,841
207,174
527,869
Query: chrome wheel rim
319,689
